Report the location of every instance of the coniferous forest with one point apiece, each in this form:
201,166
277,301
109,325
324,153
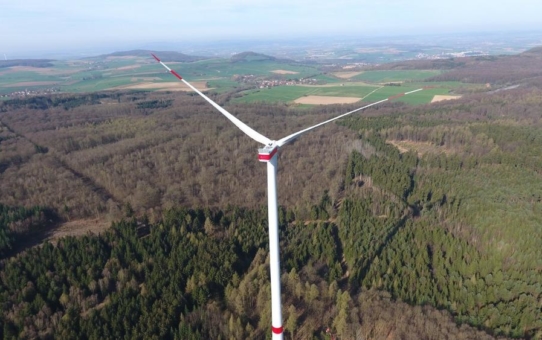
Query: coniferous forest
401,222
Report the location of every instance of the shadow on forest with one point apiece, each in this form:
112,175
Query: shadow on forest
35,237
87,181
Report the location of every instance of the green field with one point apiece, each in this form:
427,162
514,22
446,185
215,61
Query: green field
222,85
288,94
395,76
422,97
291,93
225,69
328,79
17,81
99,74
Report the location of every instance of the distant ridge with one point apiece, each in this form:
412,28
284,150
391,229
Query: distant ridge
26,62
496,70
164,55
253,56
533,52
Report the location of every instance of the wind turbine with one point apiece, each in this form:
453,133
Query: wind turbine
268,154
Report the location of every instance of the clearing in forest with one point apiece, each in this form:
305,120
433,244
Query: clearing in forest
326,100
420,148
79,228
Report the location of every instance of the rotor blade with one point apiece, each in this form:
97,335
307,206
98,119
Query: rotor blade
245,128
293,136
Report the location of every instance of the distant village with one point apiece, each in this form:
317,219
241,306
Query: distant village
27,92
426,56
264,83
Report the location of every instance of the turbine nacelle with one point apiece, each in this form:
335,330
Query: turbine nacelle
266,153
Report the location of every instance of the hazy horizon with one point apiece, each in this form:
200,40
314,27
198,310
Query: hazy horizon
34,27
224,47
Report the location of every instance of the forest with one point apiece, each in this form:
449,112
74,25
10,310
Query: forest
402,222
26,62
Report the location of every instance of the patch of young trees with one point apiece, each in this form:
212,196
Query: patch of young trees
16,223
198,274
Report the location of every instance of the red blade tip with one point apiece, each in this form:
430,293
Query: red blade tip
155,57
176,74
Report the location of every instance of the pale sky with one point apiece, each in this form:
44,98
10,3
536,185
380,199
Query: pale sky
47,25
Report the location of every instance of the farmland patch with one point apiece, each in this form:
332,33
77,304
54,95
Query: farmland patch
284,72
31,83
165,86
129,67
326,100
346,75
439,98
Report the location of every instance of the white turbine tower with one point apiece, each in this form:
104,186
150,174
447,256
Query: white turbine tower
269,154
